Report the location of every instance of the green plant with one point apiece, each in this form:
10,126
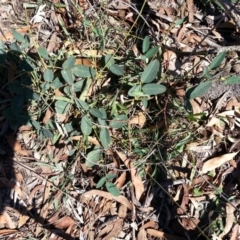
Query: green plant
111,187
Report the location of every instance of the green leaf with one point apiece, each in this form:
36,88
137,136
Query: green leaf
112,188
47,133
119,121
69,63
145,102
108,60
135,91
68,76
93,157
35,124
232,80
43,53
48,75
18,36
61,106
83,71
198,91
101,182
153,89
78,86
81,104
146,44
151,52
102,122
217,60
105,138
150,72
104,114
180,21
86,125
117,70
110,176
55,84
96,113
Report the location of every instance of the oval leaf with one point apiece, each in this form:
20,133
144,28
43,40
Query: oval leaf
81,104
86,125
68,76
135,91
146,44
109,61
153,89
112,188
18,36
83,71
110,176
69,63
151,52
48,75
43,53
199,91
61,106
232,80
119,121
96,113
93,157
117,70
105,138
150,72
217,60
78,86
101,182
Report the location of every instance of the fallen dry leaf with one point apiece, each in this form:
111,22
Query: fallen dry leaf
136,179
16,145
142,235
121,180
83,61
4,232
235,232
230,218
8,36
164,235
92,140
64,222
10,223
47,116
195,107
117,227
121,199
22,220
217,162
138,119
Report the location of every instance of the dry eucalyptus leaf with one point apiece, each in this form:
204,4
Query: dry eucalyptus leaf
136,179
230,218
138,119
160,234
121,199
217,162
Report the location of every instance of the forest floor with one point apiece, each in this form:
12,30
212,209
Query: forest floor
119,119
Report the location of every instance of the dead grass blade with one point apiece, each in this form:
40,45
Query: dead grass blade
217,162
